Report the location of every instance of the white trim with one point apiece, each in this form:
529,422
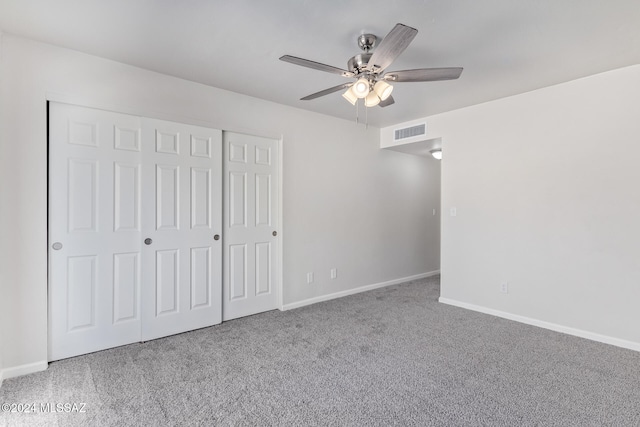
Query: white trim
281,222
20,370
631,345
357,290
92,102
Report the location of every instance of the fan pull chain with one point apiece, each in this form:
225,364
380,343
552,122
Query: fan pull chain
366,119
357,112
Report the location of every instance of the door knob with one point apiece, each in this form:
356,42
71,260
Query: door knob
275,233
216,237
57,246
148,241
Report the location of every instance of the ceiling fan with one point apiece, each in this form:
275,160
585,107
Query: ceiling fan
368,69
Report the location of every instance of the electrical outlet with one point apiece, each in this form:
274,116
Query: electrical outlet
334,273
309,278
504,287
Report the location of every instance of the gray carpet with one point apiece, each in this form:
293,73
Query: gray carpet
392,356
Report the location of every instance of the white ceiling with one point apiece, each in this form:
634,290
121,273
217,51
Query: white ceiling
505,46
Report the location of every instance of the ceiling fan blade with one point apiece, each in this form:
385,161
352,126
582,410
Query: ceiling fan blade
326,91
315,65
391,47
424,74
387,102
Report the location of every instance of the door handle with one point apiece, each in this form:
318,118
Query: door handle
216,237
57,246
275,233
148,241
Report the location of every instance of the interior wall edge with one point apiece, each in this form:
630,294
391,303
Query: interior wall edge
359,289
17,371
581,333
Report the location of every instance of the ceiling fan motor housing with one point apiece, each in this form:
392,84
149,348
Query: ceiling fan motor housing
357,63
366,42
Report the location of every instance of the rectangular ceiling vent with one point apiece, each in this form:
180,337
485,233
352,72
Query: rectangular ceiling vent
410,132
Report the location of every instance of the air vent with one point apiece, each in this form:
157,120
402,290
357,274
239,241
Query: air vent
417,130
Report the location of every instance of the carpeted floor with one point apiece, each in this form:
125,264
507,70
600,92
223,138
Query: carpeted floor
392,356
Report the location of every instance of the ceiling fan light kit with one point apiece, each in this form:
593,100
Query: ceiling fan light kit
361,88
368,69
383,89
350,96
372,99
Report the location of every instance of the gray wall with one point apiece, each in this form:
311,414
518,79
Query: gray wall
546,186
347,204
3,320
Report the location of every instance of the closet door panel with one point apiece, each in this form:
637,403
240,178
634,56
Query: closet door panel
94,230
182,260
134,205
252,229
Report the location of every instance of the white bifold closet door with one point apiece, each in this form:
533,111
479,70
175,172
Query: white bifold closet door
182,260
115,182
252,225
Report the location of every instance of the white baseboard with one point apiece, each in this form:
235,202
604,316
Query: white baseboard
631,345
357,290
17,371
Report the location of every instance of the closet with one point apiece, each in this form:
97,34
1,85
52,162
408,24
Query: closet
136,232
